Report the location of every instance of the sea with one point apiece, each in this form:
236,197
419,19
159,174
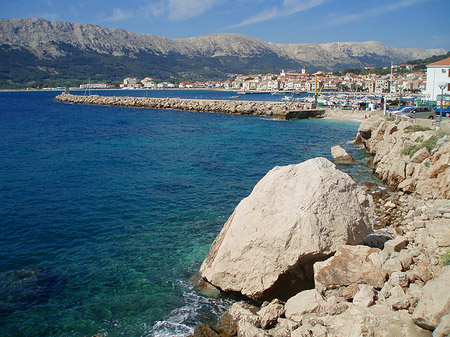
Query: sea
106,213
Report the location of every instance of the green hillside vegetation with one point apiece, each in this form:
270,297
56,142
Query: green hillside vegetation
420,65
20,68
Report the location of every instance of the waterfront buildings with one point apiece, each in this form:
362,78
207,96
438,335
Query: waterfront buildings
437,73
303,82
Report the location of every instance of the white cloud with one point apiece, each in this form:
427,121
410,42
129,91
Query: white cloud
185,9
288,7
373,11
177,10
119,15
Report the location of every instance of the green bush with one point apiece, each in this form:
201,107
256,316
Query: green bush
429,144
415,128
445,259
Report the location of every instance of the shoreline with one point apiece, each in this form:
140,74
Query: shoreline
356,115
406,289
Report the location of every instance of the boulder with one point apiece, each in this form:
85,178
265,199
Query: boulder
377,320
295,216
420,155
350,264
341,156
365,296
305,302
395,245
270,313
246,329
435,302
443,329
204,330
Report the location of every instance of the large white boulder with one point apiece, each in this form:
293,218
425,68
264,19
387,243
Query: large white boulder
296,215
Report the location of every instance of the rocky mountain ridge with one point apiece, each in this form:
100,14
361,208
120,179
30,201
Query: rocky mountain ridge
50,46
40,34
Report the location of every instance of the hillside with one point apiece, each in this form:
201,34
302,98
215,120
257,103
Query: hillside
41,51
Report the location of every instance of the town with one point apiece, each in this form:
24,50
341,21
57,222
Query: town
395,82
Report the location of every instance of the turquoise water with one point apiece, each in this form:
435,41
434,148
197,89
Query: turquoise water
106,212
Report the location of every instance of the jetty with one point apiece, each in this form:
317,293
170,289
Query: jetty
277,110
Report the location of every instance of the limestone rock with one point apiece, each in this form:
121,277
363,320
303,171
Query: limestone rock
283,328
443,329
309,330
365,296
341,156
296,215
377,320
392,265
420,155
270,313
246,329
350,264
395,245
399,279
398,299
305,302
239,311
204,330
435,302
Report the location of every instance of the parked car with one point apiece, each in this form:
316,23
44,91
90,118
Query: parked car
419,112
401,109
445,110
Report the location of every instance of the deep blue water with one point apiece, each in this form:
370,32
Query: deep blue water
106,212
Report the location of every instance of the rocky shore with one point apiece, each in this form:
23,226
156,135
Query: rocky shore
279,110
301,246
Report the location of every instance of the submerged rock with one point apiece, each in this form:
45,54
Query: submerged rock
24,288
295,216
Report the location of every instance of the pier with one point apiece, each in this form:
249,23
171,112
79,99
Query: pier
278,110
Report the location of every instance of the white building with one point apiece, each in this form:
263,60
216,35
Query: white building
96,86
149,83
437,72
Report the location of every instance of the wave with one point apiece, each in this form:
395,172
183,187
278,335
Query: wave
196,310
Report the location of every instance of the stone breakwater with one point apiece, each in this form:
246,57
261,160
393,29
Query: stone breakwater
394,284
279,110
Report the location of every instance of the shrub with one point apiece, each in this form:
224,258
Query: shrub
430,143
445,259
415,128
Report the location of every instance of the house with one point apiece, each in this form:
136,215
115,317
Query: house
382,85
437,73
369,86
149,83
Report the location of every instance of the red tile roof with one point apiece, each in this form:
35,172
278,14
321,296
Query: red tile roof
445,62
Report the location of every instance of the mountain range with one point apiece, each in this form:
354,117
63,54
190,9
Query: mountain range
37,50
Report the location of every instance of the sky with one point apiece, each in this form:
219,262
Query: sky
395,23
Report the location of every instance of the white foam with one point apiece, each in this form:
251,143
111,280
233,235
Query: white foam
181,321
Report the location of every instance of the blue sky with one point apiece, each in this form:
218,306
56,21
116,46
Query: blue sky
396,23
